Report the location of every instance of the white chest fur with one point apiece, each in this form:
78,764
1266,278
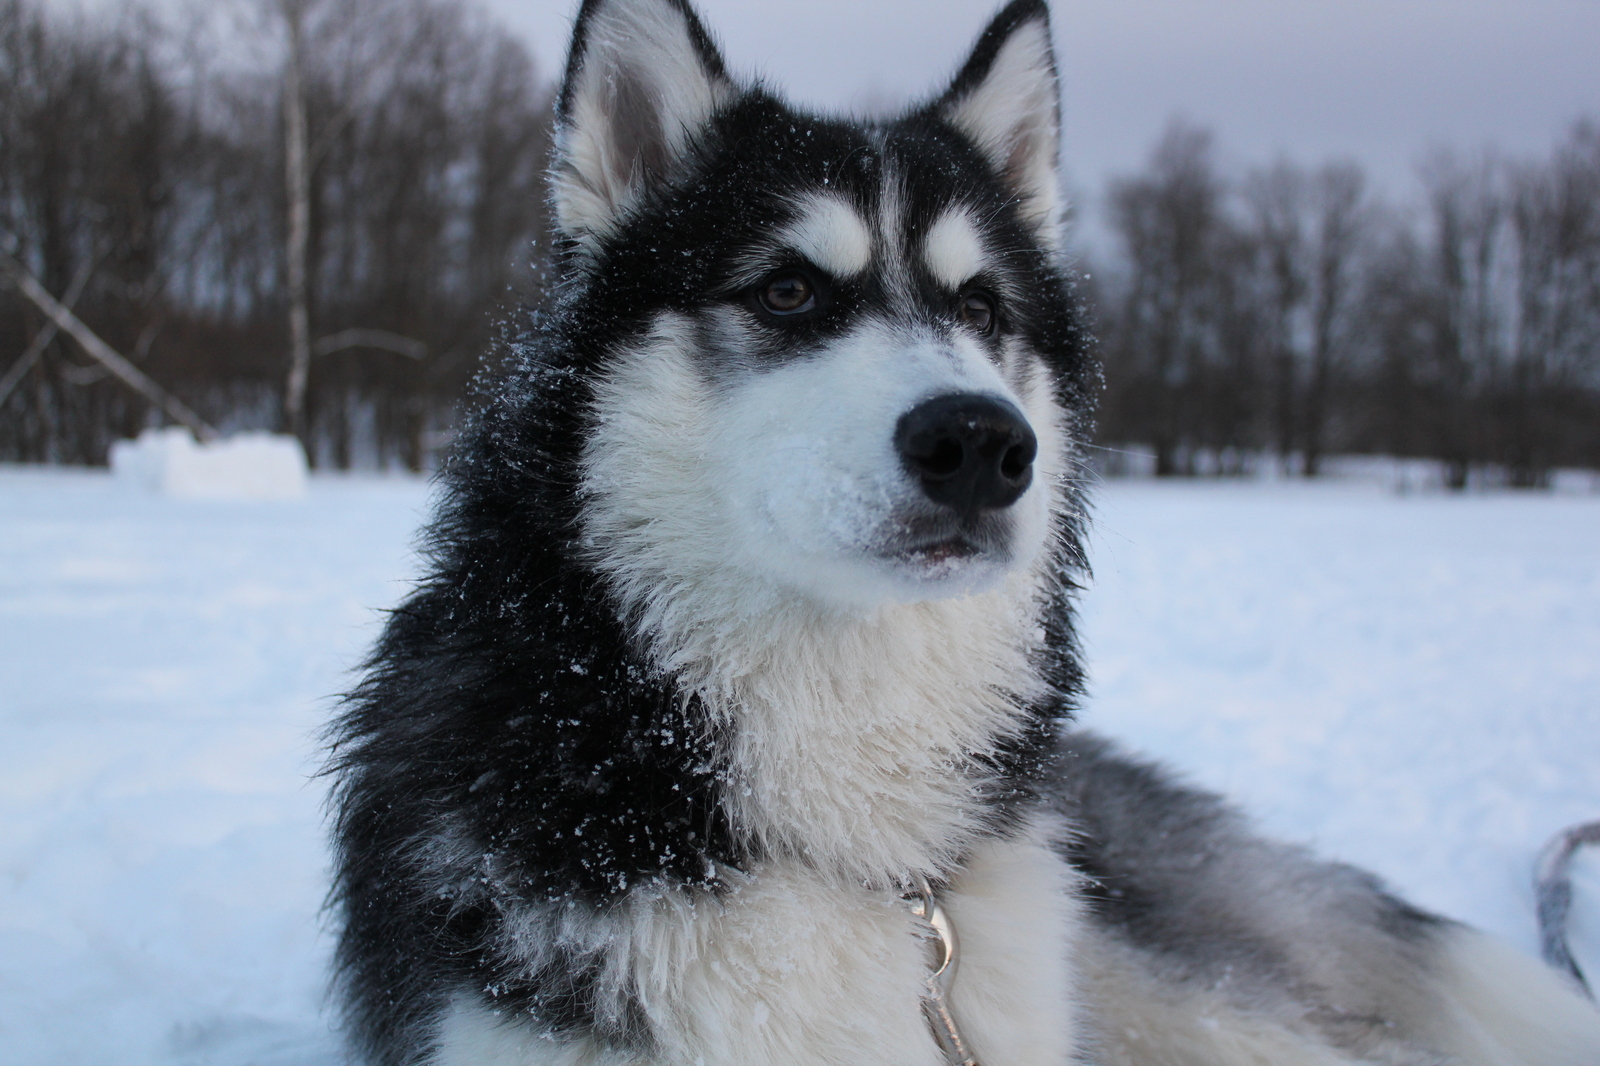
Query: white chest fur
789,969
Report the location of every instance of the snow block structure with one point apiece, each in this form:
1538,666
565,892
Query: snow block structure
246,466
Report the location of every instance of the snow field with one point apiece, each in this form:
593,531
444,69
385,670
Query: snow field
1408,683
167,665
1411,683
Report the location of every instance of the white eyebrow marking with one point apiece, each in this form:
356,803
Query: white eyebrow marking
832,235
953,248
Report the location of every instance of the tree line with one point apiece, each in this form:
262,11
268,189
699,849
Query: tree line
1291,312
145,182
304,214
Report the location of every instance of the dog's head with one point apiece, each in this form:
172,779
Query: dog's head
835,360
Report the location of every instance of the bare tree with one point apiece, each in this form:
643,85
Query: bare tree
1307,232
1341,223
1555,359
297,186
1468,213
1275,203
1171,225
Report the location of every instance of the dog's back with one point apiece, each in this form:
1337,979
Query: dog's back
1207,941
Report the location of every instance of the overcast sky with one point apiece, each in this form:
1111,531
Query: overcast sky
1380,81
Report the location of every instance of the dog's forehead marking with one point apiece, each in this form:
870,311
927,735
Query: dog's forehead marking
831,234
953,248
891,220
891,201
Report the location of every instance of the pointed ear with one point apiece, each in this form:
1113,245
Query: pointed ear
1007,100
643,77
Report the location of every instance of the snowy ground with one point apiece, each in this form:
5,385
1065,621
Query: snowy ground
166,664
1412,683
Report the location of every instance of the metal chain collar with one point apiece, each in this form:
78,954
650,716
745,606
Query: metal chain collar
942,964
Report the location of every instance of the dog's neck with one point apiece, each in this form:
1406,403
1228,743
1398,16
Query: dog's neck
857,741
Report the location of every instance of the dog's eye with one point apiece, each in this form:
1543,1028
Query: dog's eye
788,294
977,311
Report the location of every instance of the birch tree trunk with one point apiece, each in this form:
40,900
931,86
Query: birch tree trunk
298,179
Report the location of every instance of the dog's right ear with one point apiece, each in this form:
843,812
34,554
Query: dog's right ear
643,77
1006,99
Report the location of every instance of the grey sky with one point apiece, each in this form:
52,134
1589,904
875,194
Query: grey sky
1380,81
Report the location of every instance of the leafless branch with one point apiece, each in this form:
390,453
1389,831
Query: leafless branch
47,332
370,338
98,349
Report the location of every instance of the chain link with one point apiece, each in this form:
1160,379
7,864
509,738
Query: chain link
946,955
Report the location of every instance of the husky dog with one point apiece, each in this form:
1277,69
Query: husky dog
736,697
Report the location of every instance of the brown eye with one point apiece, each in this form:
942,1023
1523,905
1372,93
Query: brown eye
788,294
977,311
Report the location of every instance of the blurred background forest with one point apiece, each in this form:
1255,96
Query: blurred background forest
304,214
146,179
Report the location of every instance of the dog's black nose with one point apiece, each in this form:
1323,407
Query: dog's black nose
969,452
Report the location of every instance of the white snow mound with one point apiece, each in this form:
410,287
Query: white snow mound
246,466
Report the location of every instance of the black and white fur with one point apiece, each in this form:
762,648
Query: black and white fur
708,666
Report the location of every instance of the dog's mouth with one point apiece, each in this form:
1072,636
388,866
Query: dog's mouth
929,543
950,549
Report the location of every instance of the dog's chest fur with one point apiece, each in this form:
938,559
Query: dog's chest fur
790,967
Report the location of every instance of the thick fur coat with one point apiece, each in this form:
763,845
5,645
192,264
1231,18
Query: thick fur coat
749,606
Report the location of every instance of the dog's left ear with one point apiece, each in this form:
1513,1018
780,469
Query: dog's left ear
1007,100
643,79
